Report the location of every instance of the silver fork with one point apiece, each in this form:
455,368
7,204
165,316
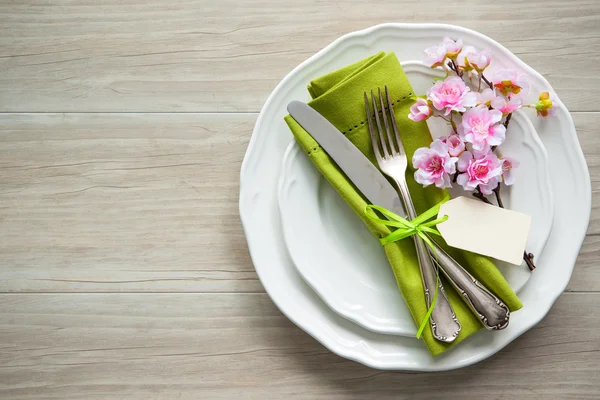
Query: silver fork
491,311
393,163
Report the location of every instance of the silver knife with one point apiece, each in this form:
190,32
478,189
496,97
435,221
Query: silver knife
490,310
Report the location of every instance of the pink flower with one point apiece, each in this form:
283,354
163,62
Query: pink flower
463,59
451,94
508,163
486,97
452,47
506,106
434,165
481,128
546,105
479,169
435,55
454,143
420,111
509,82
479,60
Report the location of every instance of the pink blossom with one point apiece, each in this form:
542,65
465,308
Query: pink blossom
463,58
452,47
506,106
481,128
509,82
435,55
508,163
420,111
451,94
454,143
434,165
483,170
486,97
479,60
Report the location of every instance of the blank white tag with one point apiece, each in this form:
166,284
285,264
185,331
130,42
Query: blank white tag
485,229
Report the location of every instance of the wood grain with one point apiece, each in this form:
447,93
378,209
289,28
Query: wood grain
180,346
124,271
148,203
184,55
123,202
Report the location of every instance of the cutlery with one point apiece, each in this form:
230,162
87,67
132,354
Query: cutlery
393,164
444,324
492,313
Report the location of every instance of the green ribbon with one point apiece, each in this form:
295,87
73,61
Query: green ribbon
404,228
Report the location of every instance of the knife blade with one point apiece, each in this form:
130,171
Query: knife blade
490,310
359,169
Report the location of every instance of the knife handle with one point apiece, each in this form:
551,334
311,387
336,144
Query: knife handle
491,311
444,324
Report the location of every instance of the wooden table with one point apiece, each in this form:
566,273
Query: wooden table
124,269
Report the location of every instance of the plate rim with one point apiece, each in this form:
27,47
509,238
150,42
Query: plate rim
254,141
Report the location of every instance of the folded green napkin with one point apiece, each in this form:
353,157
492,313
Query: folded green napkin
338,96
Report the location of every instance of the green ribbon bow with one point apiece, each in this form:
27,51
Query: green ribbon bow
405,228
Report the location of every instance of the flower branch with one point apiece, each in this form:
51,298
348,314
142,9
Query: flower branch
477,193
478,118
507,120
487,82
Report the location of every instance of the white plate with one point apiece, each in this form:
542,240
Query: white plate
345,264
260,217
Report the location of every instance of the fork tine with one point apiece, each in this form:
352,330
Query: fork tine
394,124
384,115
376,149
381,137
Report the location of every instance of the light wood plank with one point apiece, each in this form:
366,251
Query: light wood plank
194,55
149,202
221,346
586,125
123,202
586,275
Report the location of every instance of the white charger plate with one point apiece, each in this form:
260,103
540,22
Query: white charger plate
260,217
345,264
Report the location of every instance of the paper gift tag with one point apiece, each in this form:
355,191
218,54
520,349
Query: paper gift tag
485,229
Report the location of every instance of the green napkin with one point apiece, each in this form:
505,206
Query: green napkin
338,96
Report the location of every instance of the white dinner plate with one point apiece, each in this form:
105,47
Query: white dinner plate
260,217
346,265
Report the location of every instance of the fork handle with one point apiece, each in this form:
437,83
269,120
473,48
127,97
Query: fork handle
443,321
490,310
